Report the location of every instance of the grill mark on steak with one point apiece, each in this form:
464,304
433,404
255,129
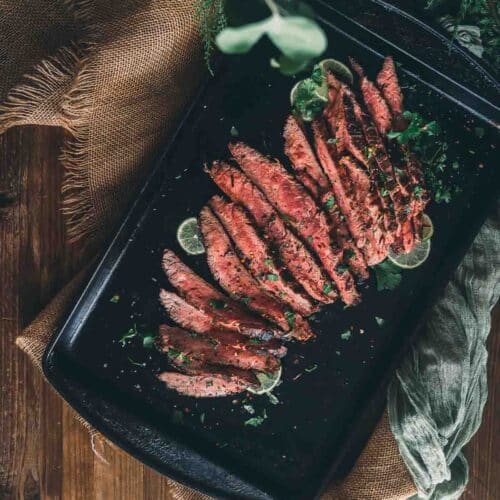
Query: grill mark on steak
356,214
233,277
226,313
300,210
293,253
257,256
352,254
184,349
387,80
211,384
190,318
375,103
302,157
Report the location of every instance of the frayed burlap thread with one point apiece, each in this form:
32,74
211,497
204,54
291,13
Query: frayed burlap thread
116,75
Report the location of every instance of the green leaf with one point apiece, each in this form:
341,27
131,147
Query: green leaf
298,38
241,39
388,276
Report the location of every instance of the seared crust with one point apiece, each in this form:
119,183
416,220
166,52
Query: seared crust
293,253
300,210
233,276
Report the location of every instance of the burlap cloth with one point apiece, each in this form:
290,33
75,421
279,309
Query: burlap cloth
116,74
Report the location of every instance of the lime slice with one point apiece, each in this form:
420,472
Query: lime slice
189,237
427,228
413,259
268,381
339,69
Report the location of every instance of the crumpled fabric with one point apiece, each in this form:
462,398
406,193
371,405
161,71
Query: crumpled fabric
436,399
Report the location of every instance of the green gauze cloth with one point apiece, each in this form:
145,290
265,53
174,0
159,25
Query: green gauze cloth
436,400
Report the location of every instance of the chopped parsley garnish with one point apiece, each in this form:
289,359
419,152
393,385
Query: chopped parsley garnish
388,276
272,398
249,409
115,299
256,421
384,192
148,341
327,288
418,191
330,202
234,131
290,318
175,355
311,95
272,277
135,363
332,140
310,239
342,268
255,341
245,300
311,368
217,304
346,335
131,333
268,262
349,254
380,321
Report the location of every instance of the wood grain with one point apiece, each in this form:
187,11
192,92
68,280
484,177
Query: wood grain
44,452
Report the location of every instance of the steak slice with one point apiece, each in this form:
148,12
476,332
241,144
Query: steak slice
257,256
233,277
357,213
226,313
387,80
302,157
375,103
210,384
300,210
293,253
352,254
184,349
189,318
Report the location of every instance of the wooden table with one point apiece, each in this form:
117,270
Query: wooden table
44,452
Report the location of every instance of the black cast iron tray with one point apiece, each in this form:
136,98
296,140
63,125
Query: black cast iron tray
333,388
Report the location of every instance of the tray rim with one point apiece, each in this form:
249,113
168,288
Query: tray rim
103,272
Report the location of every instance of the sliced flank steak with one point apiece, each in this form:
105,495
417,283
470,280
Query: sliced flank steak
185,349
233,277
300,210
376,104
293,253
226,313
355,210
210,383
302,158
387,80
258,257
190,318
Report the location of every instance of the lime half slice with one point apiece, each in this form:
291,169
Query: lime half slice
339,69
189,237
427,228
413,259
268,381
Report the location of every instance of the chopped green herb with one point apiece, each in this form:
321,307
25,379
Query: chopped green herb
418,191
290,318
268,262
175,355
310,239
346,335
131,333
332,140
234,131
135,363
213,342
249,409
311,95
349,254
217,304
330,202
380,321
384,192
245,300
272,277
272,398
327,288
311,368
177,417
342,268
256,421
388,276
148,341
202,418
255,341
115,299
337,353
